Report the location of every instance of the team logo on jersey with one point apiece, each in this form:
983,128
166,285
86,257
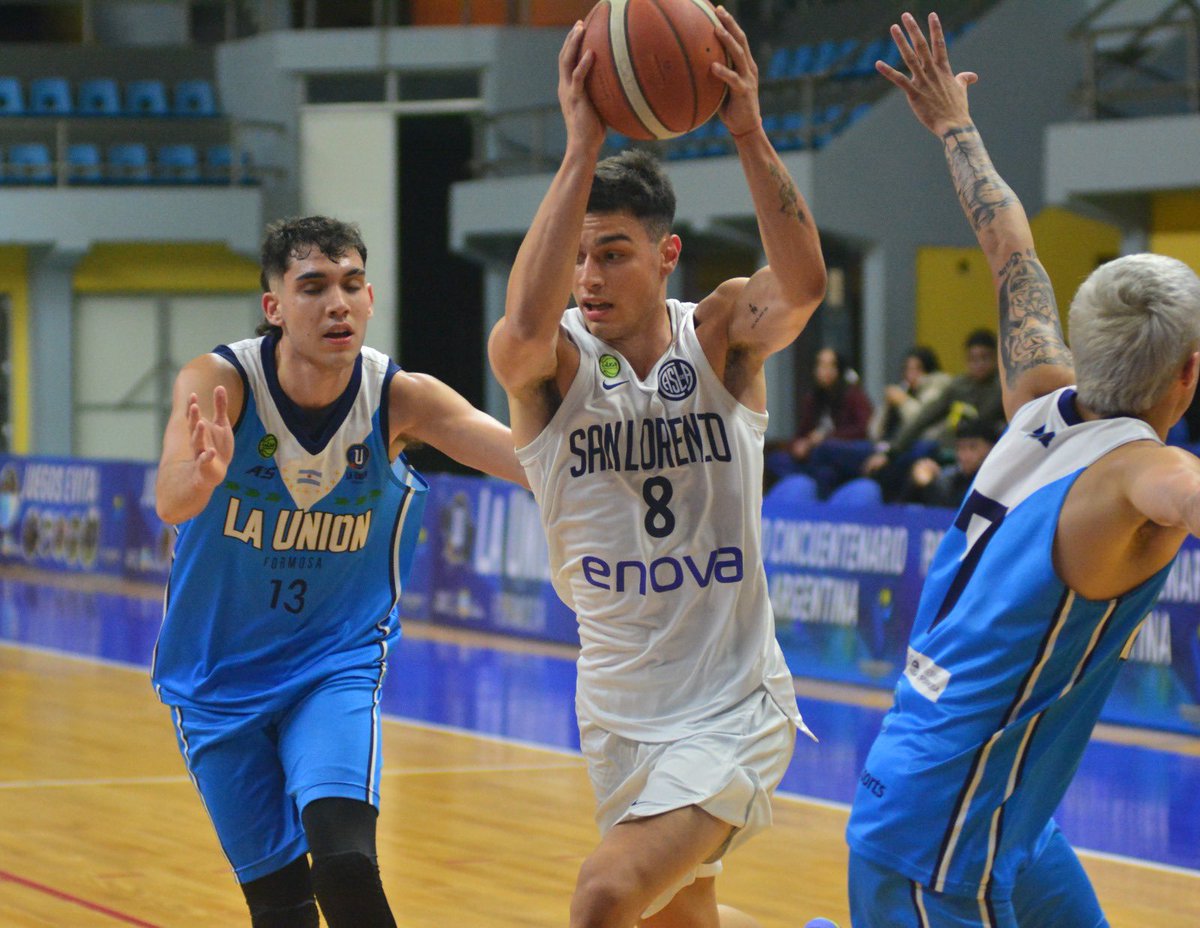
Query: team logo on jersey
676,379
357,456
267,445
609,366
1042,435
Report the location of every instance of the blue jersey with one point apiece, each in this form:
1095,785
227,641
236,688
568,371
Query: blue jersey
1007,670
294,568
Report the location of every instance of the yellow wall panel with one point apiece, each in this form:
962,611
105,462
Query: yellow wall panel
954,297
1175,226
165,268
14,271
954,286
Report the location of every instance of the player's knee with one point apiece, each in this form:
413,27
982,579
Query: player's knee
606,896
283,899
350,892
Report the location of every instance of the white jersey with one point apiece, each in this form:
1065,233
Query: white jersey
651,497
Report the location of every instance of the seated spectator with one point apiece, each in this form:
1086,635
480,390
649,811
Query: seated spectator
931,484
836,409
921,382
973,393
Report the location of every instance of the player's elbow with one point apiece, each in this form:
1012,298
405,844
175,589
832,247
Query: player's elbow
802,290
170,513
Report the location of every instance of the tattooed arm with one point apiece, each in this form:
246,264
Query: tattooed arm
766,312
1034,358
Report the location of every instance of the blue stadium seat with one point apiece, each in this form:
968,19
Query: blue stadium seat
129,163
861,491
864,64
179,164
99,96
830,52
12,100
802,60
84,165
788,131
793,490
146,98
195,98
29,163
717,141
779,64
50,96
218,166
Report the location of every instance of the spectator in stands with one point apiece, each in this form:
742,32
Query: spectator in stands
975,392
932,484
835,411
921,383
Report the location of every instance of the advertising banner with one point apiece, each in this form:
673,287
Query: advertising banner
844,582
65,514
488,561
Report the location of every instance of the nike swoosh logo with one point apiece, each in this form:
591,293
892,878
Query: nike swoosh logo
610,386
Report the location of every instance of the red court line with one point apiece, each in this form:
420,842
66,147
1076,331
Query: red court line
75,900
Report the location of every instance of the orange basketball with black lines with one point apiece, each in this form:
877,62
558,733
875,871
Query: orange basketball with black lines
652,75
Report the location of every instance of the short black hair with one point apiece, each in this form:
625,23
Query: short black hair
975,427
294,238
635,182
927,356
981,338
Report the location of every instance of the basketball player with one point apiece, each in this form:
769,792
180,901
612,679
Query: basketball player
1038,589
640,423
296,531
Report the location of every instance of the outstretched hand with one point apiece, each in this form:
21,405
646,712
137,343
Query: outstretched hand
740,109
211,439
937,95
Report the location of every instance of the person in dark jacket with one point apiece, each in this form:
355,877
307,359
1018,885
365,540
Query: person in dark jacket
835,410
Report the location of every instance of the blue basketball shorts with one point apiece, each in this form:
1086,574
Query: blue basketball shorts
1052,892
256,772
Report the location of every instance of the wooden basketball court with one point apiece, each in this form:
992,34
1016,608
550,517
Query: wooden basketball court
100,827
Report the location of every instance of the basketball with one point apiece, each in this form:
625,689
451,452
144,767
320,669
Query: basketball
651,76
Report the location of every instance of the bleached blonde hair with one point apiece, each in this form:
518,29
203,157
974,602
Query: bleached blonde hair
1133,323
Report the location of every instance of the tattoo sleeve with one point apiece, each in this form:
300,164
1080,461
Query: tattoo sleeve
789,201
980,189
1030,333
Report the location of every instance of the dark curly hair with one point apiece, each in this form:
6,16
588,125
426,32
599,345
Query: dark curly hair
293,239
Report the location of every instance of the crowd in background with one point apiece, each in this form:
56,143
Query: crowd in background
924,439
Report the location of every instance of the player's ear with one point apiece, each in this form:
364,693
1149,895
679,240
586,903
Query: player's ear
669,252
270,307
370,301
1191,369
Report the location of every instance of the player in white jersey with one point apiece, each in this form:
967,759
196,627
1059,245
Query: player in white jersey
297,519
1036,593
640,422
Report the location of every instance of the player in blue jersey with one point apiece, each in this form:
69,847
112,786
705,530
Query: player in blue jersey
297,517
641,422
1036,594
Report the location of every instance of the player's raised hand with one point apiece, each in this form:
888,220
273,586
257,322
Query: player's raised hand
740,109
582,121
211,439
937,95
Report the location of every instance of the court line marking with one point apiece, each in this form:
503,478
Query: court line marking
501,739
490,737
26,883
174,780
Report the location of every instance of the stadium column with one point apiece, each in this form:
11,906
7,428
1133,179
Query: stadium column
51,301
